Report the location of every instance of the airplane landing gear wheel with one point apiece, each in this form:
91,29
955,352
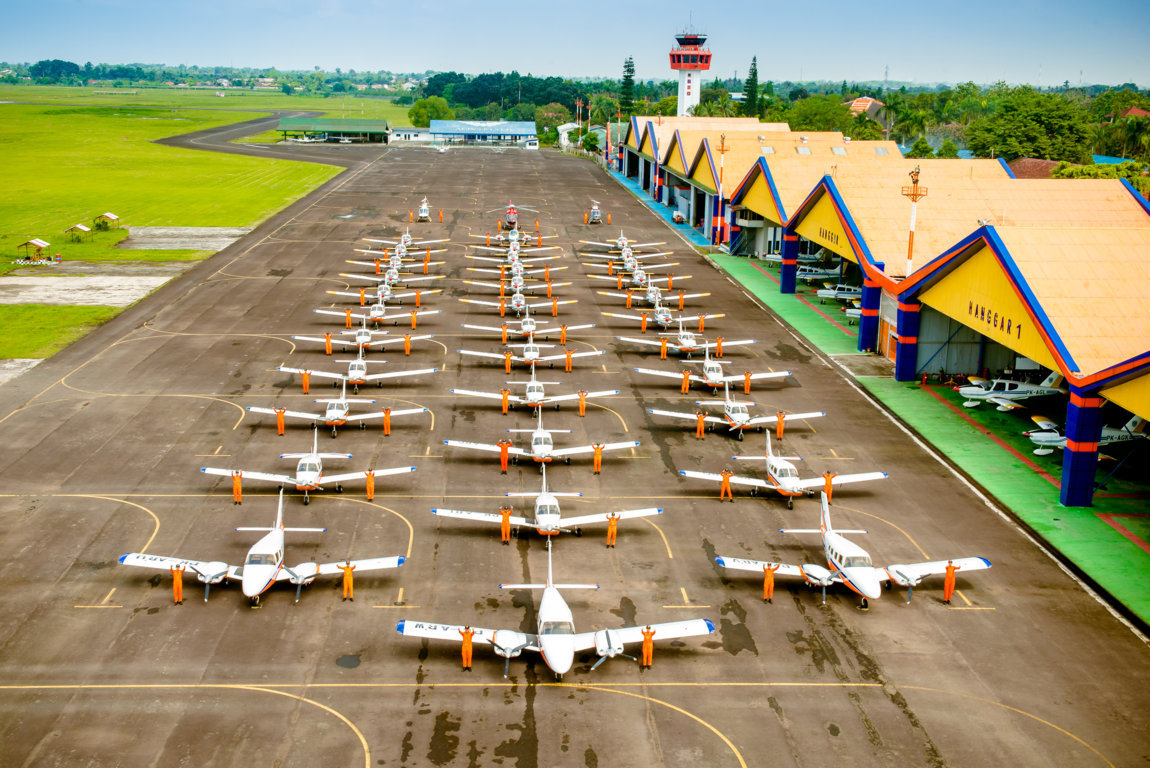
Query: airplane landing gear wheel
739,437
339,489
334,432
362,426
306,499
790,502
567,460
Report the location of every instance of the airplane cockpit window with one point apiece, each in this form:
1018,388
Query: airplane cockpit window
858,561
787,472
309,466
549,509
542,440
999,386
255,559
557,628
739,410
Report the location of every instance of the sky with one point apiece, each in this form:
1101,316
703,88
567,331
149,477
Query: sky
1041,42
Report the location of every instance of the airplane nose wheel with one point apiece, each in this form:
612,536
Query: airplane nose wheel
306,499
790,503
740,436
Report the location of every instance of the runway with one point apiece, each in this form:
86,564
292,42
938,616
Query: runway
104,442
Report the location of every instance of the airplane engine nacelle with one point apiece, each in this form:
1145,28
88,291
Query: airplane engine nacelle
304,573
901,577
508,643
817,575
213,573
607,643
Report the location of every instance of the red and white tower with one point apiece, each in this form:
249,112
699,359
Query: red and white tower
690,59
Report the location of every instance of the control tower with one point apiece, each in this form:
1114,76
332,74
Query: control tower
690,59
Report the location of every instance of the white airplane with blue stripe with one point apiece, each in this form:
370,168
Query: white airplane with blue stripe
555,638
264,565
850,565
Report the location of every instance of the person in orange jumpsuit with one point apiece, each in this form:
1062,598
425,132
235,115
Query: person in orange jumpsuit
629,292
507,362
612,529
828,484
505,525
769,582
567,365
348,586
467,633
503,330
387,422
347,318
648,647
327,343
746,382
948,583
237,487
686,385
725,488
563,334
506,393
582,402
370,488
643,322
178,584
503,444
719,347
701,425
781,418
280,420
663,348
305,378
407,343
597,459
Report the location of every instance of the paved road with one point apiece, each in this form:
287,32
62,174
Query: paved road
104,441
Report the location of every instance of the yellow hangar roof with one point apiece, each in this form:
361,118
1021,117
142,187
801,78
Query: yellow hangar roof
744,150
663,128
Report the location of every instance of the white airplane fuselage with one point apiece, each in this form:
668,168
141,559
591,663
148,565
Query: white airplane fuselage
853,563
547,516
264,561
308,472
541,445
556,631
335,414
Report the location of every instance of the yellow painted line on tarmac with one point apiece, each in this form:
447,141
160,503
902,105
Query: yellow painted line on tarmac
835,456
605,408
108,596
666,544
155,530
214,454
410,527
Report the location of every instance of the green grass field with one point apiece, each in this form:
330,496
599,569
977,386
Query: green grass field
42,330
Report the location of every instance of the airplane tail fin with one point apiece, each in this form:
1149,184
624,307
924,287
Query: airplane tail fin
1054,380
1135,426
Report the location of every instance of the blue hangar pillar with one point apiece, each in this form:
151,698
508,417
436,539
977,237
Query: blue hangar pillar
906,349
868,320
789,273
1080,459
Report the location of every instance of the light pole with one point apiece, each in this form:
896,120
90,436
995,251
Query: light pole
915,193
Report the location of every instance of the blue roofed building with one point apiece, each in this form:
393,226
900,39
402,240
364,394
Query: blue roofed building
496,132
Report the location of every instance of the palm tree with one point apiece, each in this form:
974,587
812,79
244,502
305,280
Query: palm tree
603,109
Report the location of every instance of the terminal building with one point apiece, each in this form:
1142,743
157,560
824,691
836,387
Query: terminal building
960,267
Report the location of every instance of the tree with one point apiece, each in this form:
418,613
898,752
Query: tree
424,111
920,148
591,142
1130,171
1032,124
751,90
668,105
947,150
551,115
821,113
287,89
798,94
627,87
603,109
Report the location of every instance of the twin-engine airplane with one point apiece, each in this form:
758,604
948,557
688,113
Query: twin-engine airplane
1049,436
357,374
736,418
1005,393
782,477
543,448
685,342
712,373
555,638
547,520
535,397
264,565
850,565
309,474
337,413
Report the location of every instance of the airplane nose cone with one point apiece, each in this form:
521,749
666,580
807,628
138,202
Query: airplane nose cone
559,655
867,581
256,579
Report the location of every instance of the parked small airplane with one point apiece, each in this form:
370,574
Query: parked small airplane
712,375
1050,436
357,374
381,294
309,474
542,448
640,278
620,243
1005,393
518,302
264,564
377,313
534,396
653,295
685,342
555,638
337,413
396,260
531,353
517,269
528,326
393,277
736,418
517,284
783,478
814,273
839,292
850,565
513,254
364,338
627,261
406,239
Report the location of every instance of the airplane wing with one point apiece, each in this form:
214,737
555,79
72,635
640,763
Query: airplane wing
406,279
756,376
329,479
786,418
545,331
669,630
320,374
492,355
483,517
669,374
409,628
756,566
379,415
645,342
481,301
494,395
1003,403
561,452
735,479
601,517
394,374
267,477
818,482
481,283
494,329
544,358
486,447
687,416
369,564
321,340
1044,422
736,343
596,242
293,414
210,572
401,339
621,316
564,398
369,278
909,575
539,304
